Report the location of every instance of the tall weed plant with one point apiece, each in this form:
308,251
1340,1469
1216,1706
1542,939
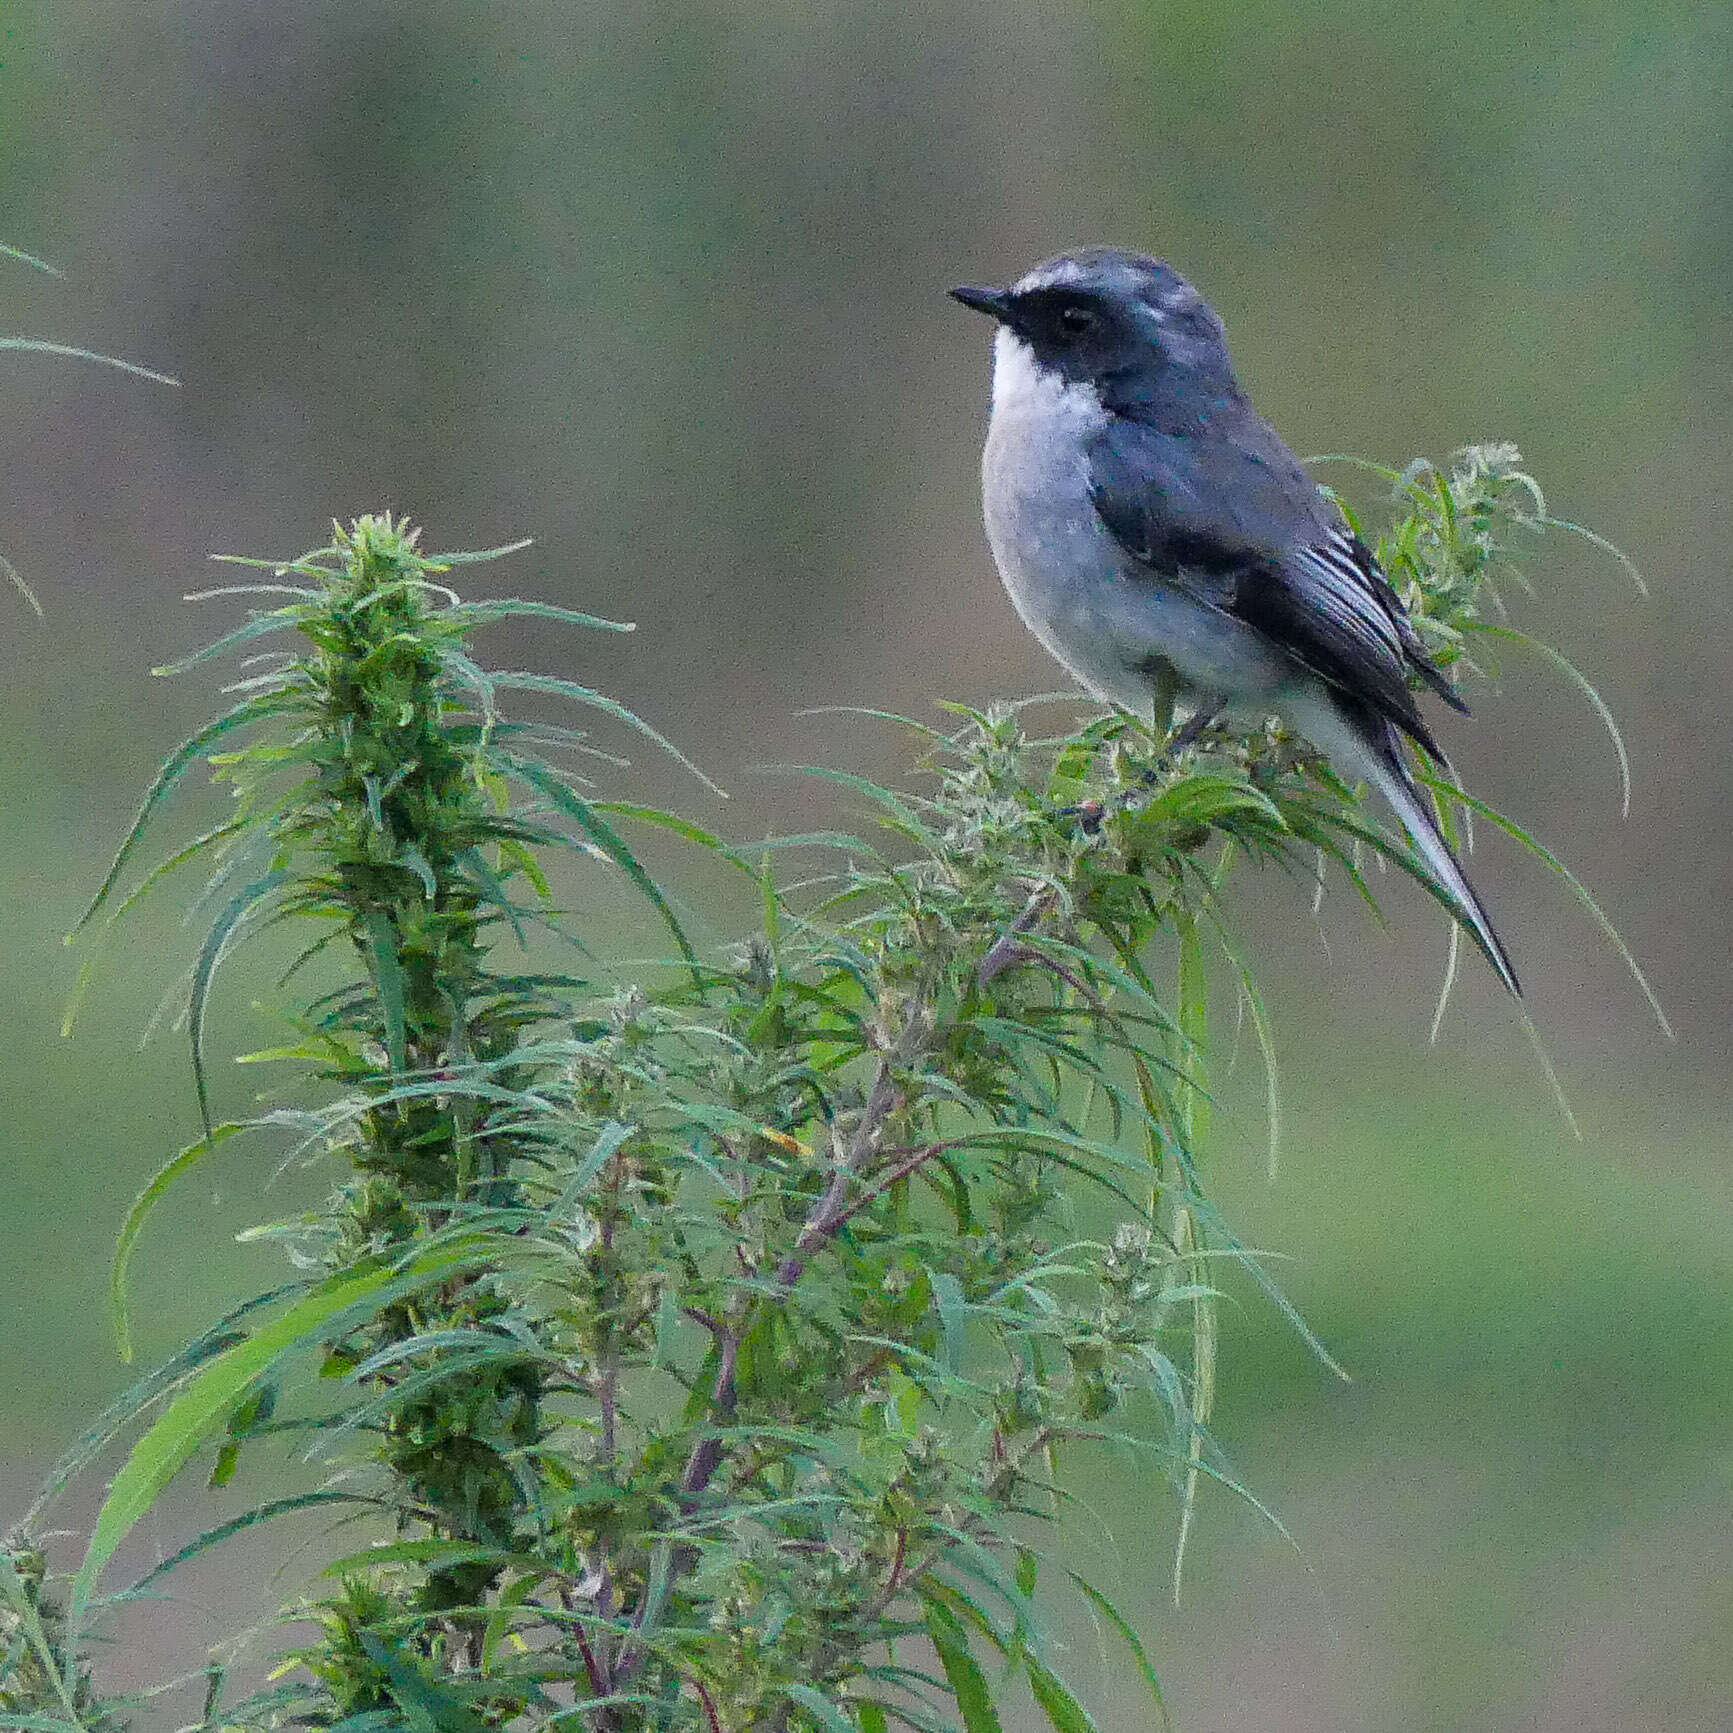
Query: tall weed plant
713,1348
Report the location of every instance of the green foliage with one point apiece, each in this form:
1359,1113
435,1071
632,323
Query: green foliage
41,1686
708,1350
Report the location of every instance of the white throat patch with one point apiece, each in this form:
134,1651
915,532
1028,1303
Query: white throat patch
1022,387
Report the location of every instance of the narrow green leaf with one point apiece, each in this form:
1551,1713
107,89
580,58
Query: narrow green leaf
1064,1713
605,837
30,259
388,983
507,1602
432,1555
142,1205
1487,629
249,1519
1187,1239
821,1709
299,591
199,845
662,820
910,823
277,620
17,1596
131,1403
925,729
1266,1038
515,608
171,772
1123,1626
870,1717
15,578
1193,1008
1518,834
477,556
1203,797
1253,1266
608,1140
962,1672
190,1418
36,346
1606,547
907,1711
598,701
209,960
426,1707
952,1309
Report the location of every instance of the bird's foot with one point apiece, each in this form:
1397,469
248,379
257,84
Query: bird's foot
1091,814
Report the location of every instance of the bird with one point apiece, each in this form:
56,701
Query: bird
1166,546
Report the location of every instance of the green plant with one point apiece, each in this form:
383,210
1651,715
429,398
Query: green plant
707,1348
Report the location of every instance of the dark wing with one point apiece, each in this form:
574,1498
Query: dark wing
1225,509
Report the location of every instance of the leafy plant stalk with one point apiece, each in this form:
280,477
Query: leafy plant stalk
711,1350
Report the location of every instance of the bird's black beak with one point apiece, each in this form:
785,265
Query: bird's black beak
995,303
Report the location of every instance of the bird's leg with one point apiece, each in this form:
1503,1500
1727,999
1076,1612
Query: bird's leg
1209,707
1163,694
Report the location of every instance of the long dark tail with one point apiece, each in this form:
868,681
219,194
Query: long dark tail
1365,744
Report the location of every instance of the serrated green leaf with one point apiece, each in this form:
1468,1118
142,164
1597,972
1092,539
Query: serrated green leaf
608,1140
31,260
1487,629
1204,797
1578,888
1193,1008
433,1555
277,620
670,821
172,771
609,707
515,607
607,839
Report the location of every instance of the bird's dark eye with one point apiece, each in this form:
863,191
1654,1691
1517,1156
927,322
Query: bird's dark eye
1076,321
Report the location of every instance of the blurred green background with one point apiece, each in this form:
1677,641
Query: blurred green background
662,286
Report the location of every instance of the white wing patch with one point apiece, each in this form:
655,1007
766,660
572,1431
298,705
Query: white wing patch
1341,589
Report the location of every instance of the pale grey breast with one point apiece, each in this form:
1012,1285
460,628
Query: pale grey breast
1126,635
